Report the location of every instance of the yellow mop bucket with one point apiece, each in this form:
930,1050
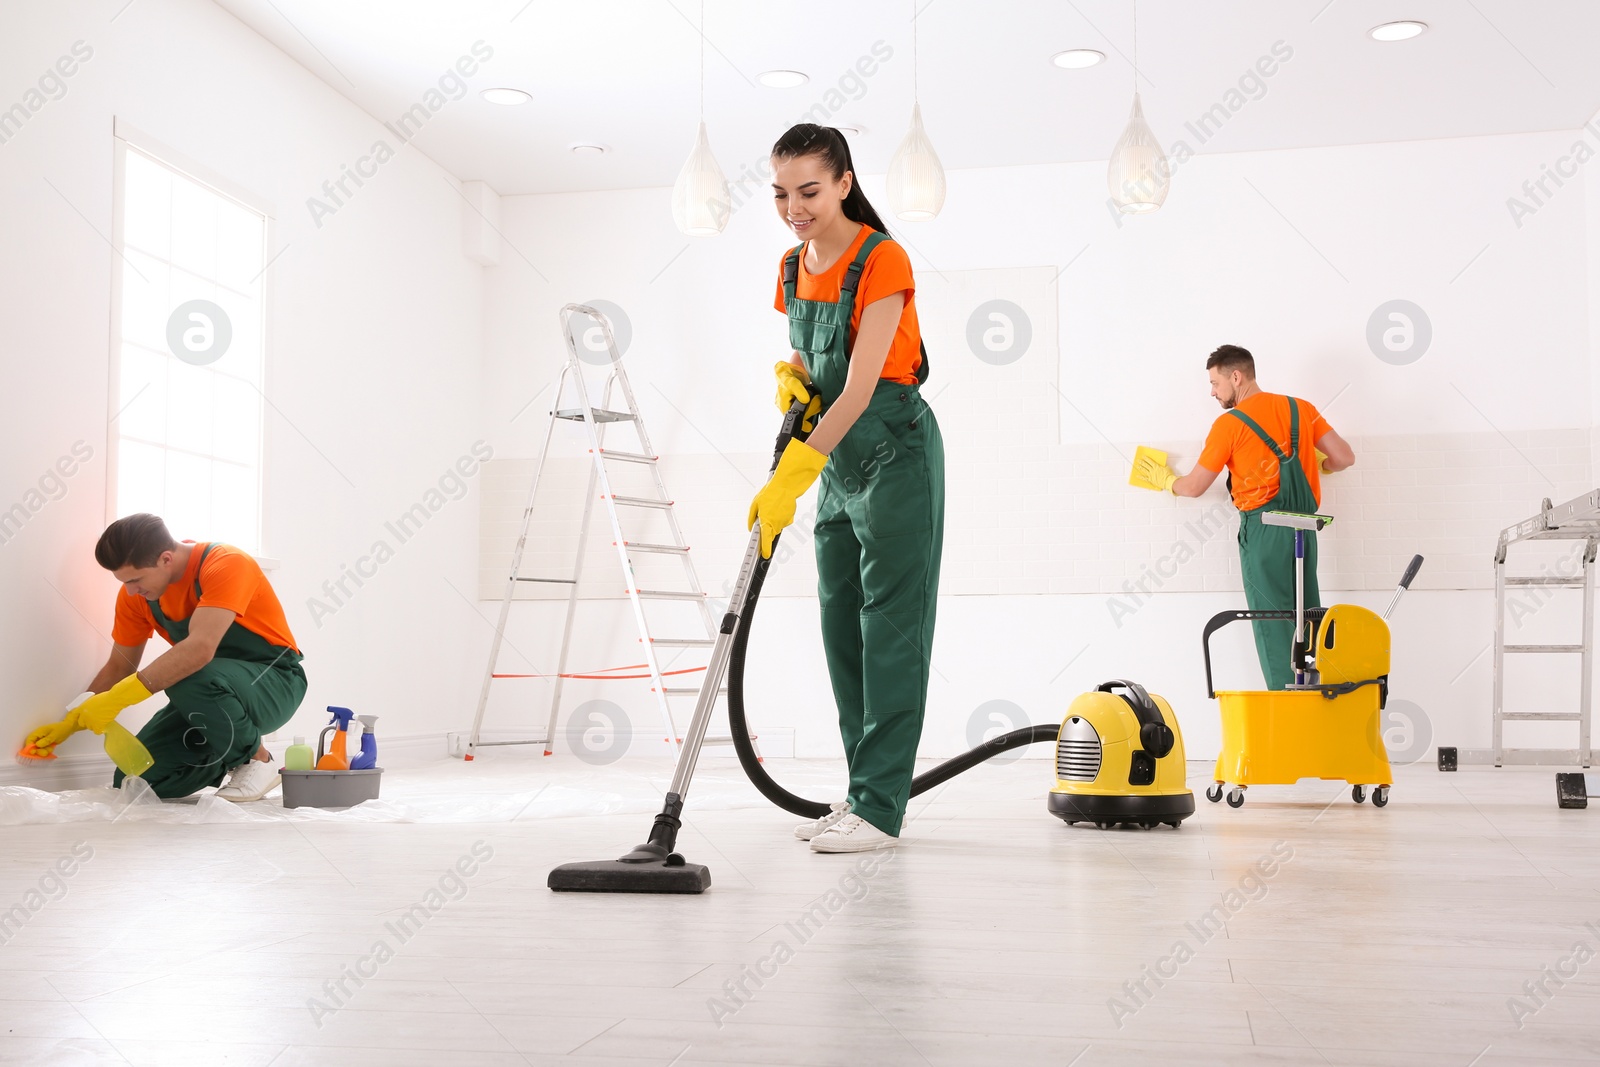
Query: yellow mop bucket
1278,738
1327,726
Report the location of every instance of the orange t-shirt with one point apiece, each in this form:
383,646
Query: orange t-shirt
886,272
231,579
1254,468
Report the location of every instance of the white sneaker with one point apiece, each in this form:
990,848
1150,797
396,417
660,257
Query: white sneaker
251,781
807,830
852,834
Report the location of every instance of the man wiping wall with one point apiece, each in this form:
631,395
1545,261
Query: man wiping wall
232,675
1261,439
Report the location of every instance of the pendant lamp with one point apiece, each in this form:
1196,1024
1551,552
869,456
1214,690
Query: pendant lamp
916,177
1139,174
700,201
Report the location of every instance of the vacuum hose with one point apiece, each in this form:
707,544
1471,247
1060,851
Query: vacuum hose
815,809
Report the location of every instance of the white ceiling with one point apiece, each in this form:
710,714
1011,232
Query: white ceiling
625,73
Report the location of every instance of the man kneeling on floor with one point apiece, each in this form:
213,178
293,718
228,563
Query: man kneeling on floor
232,674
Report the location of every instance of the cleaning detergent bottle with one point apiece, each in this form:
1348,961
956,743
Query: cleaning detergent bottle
298,756
127,751
336,760
369,745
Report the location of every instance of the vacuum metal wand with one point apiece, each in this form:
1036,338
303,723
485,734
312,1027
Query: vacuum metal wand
716,668
664,831
654,866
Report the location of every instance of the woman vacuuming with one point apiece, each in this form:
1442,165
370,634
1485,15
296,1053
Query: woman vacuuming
858,363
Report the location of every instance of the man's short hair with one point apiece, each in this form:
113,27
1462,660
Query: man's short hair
1230,358
134,541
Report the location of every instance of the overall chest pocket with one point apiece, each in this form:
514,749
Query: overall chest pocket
815,333
812,336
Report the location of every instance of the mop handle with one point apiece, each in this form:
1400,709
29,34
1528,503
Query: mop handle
1299,580
1405,583
1302,641
1300,523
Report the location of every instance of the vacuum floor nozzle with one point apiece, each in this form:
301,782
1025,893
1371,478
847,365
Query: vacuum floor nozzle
666,875
652,867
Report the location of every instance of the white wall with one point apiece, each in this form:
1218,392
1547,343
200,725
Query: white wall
374,344
1287,253
1591,187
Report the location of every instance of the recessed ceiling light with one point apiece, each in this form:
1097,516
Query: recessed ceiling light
781,79
1397,31
1078,58
853,129
505,96
588,148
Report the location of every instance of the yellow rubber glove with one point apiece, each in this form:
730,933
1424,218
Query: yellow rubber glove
101,710
1322,461
1157,473
795,384
774,505
48,737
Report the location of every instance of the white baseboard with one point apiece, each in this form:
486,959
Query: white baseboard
424,745
63,772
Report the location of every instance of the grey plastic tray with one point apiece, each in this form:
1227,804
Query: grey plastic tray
329,789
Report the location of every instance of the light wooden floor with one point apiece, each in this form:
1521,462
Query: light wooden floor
996,935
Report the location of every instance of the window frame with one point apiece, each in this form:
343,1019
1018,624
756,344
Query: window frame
124,137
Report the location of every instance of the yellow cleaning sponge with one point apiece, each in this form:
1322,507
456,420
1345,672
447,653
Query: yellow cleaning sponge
1139,454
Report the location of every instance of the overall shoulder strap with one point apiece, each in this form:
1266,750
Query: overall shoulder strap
852,275
203,554
852,280
1294,427
791,272
1259,432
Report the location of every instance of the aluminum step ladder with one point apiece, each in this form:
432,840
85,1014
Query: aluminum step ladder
596,419
1576,520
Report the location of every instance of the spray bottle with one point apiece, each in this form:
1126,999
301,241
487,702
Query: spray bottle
369,745
336,760
127,751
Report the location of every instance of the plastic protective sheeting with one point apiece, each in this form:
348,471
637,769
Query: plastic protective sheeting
433,793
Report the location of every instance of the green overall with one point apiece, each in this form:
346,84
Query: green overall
879,536
215,718
1266,553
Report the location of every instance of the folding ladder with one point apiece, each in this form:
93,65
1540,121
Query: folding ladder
596,419
1576,520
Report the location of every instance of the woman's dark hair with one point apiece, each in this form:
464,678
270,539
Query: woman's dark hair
134,541
830,147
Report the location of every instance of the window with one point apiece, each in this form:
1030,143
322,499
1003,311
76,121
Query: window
187,401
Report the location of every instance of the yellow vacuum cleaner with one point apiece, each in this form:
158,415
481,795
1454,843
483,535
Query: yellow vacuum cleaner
1119,760
1327,723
